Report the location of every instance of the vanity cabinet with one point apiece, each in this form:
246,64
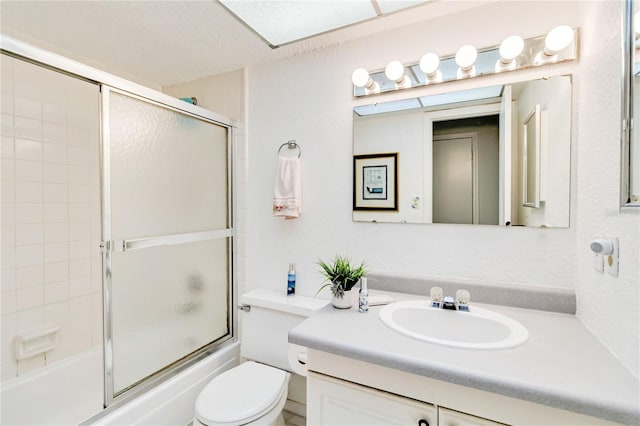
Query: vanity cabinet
334,402
343,391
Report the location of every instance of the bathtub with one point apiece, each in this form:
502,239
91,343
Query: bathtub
64,393
71,392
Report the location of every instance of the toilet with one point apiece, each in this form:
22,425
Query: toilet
255,392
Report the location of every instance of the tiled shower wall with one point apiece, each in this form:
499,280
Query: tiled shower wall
50,261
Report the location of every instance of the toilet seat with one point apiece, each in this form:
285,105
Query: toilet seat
241,395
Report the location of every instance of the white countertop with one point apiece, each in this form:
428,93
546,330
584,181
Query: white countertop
561,365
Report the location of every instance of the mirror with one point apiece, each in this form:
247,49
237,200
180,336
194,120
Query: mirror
630,194
497,155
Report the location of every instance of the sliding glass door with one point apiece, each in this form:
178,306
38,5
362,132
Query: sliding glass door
167,232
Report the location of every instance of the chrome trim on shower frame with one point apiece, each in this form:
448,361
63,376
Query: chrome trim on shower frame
169,240
111,83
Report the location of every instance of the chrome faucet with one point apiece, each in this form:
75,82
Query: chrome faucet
460,303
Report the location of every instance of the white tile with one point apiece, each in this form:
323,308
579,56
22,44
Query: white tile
79,231
79,249
79,335
28,171
30,297
29,276
8,369
8,282
7,148
8,303
7,127
57,271
96,229
29,150
96,284
55,173
80,175
56,252
8,329
30,364
56,292
79,212
80,287
78,136
27,80
8,192
8,213
29,255
80,268
55,153
79,193
8,258
81,307
8,235
29,234
29,192
96,266
57,312
54,90
95,248
56,232
29,318
6,101
54,113
79,156
28,213
26,128
8,169
55,193
54,133
27,107
56,212
95,177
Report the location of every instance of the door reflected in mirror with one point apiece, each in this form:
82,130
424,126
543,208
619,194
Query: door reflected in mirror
464,158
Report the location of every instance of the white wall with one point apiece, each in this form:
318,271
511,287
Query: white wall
308,98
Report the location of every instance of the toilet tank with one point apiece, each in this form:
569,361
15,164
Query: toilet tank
265,326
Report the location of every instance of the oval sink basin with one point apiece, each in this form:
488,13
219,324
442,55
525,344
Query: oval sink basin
477,329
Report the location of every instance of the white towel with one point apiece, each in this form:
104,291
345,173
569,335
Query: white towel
288,188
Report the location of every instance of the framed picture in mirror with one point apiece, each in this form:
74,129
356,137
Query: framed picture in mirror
375,181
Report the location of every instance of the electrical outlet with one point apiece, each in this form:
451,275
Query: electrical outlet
598,262
611,260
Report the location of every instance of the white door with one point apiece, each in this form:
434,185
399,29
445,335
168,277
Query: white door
455,178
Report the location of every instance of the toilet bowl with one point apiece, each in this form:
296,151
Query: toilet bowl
255,392
250,394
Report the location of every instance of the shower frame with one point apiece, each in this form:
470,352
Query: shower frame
110,83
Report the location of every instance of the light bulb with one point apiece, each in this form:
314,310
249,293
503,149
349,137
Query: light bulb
557,39
429,64
510,48
360,78
636,23
466,56
395,71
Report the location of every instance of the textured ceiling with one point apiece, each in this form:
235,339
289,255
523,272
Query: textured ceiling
160,43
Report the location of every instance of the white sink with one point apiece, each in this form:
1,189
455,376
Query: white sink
477,329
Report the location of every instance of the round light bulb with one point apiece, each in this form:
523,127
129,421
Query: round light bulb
394,71
360,77
636,23
557,39
466,56
429,64
510,48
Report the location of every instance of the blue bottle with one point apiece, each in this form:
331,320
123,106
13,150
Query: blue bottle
291,280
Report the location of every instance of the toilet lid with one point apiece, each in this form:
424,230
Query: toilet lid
240,395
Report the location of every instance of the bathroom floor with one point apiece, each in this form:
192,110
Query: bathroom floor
291,419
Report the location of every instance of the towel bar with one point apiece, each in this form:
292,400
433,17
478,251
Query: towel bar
292,144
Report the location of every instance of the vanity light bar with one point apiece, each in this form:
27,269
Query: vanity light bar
514,53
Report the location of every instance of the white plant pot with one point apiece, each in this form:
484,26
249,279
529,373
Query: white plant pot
342,302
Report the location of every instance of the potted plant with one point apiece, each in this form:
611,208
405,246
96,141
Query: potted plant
340,276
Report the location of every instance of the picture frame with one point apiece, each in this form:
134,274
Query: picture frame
375,182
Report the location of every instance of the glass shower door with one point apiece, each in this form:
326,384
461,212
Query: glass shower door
168,235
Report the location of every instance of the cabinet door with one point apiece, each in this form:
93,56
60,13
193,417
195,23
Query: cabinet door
336,402
456,418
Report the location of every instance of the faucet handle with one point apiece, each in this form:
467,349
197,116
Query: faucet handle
463,296
462,300
437,295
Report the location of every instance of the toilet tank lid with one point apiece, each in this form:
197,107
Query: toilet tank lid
270,299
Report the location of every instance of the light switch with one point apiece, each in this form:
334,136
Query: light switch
598,262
